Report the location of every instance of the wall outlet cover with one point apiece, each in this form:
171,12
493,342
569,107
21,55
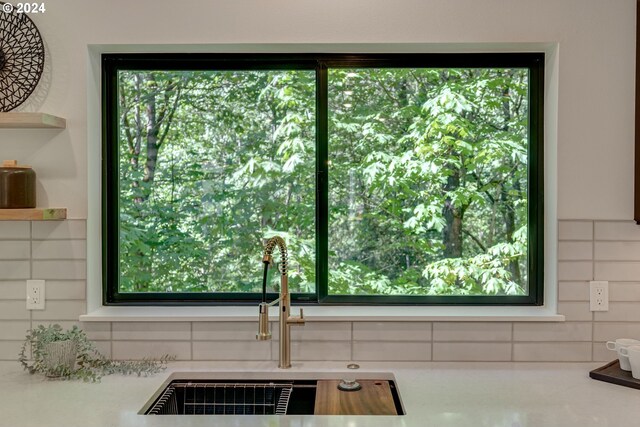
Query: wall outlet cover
599,295
35,294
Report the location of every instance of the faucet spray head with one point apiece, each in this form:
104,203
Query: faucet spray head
263,323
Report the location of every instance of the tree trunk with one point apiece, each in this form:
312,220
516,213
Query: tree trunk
452,233
510,228
153,130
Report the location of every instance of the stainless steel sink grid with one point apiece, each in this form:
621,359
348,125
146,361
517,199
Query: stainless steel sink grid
249,393
207,398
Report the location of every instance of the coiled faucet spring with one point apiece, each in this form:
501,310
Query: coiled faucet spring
268,252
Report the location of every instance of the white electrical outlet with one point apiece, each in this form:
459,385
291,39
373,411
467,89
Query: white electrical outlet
599,295
35,294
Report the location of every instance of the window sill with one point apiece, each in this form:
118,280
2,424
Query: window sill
325,314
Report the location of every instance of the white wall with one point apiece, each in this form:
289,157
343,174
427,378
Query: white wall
596,40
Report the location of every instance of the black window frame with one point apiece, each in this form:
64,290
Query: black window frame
321,63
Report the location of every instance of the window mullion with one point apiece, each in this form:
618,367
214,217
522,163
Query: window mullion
322,186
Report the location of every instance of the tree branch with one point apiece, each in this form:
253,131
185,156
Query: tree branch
475,239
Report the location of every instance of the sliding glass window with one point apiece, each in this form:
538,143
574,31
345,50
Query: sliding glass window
393,178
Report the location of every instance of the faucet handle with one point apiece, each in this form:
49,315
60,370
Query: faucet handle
292,320
300,320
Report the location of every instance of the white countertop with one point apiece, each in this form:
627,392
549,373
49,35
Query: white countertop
433,394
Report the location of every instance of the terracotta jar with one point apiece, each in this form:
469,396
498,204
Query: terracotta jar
17,186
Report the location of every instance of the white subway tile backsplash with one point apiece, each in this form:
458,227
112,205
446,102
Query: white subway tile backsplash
232,350
315,350
476,351
133,350
103,347
567,331
552,352
69,229
471,331
13,270
391,331
158,331
575,251
97,330
617,251
13,289
391,351
13,329
617,230
629,291
624,271
59,249
225,331
13,310
620,312
9,350
15,230
575,311
59,269
60,310
575,270
602,354
610,331
66,289
575,230
15,249
316,331
573,291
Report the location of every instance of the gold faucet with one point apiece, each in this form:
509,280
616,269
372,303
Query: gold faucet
286,320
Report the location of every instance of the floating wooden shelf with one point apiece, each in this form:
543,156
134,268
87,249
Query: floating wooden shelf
36,214
31,120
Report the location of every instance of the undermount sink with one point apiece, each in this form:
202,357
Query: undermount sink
192,393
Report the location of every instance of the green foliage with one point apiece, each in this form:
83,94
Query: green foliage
90,365
427,181
407,144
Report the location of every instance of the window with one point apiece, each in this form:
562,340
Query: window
394,178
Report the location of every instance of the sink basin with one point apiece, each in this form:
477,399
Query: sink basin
191,393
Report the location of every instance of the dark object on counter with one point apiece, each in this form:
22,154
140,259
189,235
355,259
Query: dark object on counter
17,186
612,373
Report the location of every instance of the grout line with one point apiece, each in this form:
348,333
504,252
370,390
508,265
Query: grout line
593,275
512,339
56,239
431,342
474,342
352,341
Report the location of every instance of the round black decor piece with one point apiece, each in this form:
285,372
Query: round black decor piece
21,58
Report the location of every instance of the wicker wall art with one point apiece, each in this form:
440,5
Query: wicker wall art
21,57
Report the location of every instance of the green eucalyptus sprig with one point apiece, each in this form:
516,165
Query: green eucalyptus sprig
90,364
